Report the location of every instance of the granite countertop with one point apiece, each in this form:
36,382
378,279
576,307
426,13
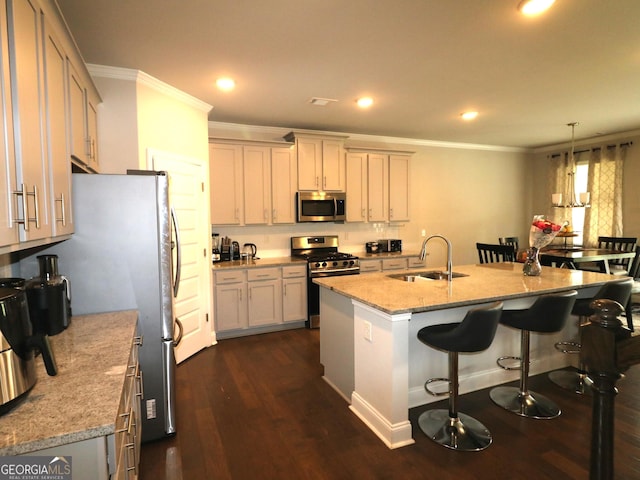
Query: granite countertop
484,283
82,400
260,262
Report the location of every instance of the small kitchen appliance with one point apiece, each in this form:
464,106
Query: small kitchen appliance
215,248
372,247
390,245
49,298
323,260
321,206
17,345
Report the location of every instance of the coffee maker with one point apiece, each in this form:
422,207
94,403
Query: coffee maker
49,297
17,345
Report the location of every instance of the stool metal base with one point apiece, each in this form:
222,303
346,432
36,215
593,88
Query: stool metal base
462,433
572,380
531,404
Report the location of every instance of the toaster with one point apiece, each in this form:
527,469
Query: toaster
390,245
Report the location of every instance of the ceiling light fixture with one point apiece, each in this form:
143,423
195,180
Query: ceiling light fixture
469,115
534,7
365,102
225,84
569,199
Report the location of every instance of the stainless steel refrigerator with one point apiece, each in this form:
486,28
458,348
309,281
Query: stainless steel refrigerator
124,255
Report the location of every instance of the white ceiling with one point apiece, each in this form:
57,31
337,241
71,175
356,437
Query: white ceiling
423,61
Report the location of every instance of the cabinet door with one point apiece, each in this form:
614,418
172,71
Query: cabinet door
77,116
399,171
265,303
368,266
92,131
356,187
8,230
284,173
333,169
377,180
294,299
27,90
225,181
56,118
231,306
309,153
257,185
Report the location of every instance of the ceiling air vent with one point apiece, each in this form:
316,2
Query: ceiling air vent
321,102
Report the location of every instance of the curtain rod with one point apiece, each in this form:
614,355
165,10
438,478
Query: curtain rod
625,144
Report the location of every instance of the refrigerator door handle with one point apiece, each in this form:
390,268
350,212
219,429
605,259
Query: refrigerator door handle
176,282
178,338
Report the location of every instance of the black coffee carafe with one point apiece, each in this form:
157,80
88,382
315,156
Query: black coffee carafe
49,297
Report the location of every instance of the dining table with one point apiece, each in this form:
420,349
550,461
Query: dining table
573,256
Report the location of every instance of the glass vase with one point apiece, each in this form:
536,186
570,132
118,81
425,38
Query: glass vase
532,267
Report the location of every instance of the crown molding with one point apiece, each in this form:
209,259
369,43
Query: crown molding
147,80
246,131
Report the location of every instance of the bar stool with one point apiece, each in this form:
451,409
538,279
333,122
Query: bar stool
547,314
475,333
577,381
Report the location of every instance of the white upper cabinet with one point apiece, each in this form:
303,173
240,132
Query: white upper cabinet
8,232
28,97
257,185
321,162
377,186
226,184
252,184
56,125
284,177
83,120
399,181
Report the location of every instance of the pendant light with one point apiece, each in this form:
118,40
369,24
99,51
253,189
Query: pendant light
569,199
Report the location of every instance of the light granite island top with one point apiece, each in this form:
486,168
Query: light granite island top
368,335
81,401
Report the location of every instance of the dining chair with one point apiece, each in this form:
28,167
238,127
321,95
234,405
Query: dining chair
634,272
624,244
509,241
492,253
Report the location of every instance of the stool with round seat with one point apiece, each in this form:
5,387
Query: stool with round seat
548,314
577,381
475,333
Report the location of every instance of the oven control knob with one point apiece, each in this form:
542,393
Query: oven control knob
335,264
324,264
345,263
317,265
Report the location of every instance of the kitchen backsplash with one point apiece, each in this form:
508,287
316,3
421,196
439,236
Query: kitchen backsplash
274,240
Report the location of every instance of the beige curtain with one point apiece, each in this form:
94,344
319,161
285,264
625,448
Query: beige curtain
605,184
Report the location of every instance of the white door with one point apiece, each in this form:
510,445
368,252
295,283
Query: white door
189,192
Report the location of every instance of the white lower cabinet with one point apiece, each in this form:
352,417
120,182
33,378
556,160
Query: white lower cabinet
231,300
386,264
115,456
294,293
251,298
265,296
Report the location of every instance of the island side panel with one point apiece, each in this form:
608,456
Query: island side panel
336,341
382,373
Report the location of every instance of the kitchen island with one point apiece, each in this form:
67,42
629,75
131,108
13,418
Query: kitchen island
369,325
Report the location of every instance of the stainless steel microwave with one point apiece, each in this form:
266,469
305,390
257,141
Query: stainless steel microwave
321,206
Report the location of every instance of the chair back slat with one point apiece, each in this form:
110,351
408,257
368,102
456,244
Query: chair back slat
623,244
492,253
509,241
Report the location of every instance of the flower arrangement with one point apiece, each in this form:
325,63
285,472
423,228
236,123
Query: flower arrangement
541,234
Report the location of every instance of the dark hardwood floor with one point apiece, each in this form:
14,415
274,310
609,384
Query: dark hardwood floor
257,408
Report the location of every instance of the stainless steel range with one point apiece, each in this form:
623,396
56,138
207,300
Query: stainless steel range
323,260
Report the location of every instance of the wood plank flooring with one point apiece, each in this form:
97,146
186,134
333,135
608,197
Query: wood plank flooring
257,408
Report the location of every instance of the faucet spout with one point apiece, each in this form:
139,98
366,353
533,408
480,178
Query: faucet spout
423,253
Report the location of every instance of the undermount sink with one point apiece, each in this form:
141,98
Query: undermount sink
425,276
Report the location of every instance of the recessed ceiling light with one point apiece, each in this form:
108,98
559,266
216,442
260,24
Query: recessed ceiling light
321,102
534,7
226,84
365,102
469,115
